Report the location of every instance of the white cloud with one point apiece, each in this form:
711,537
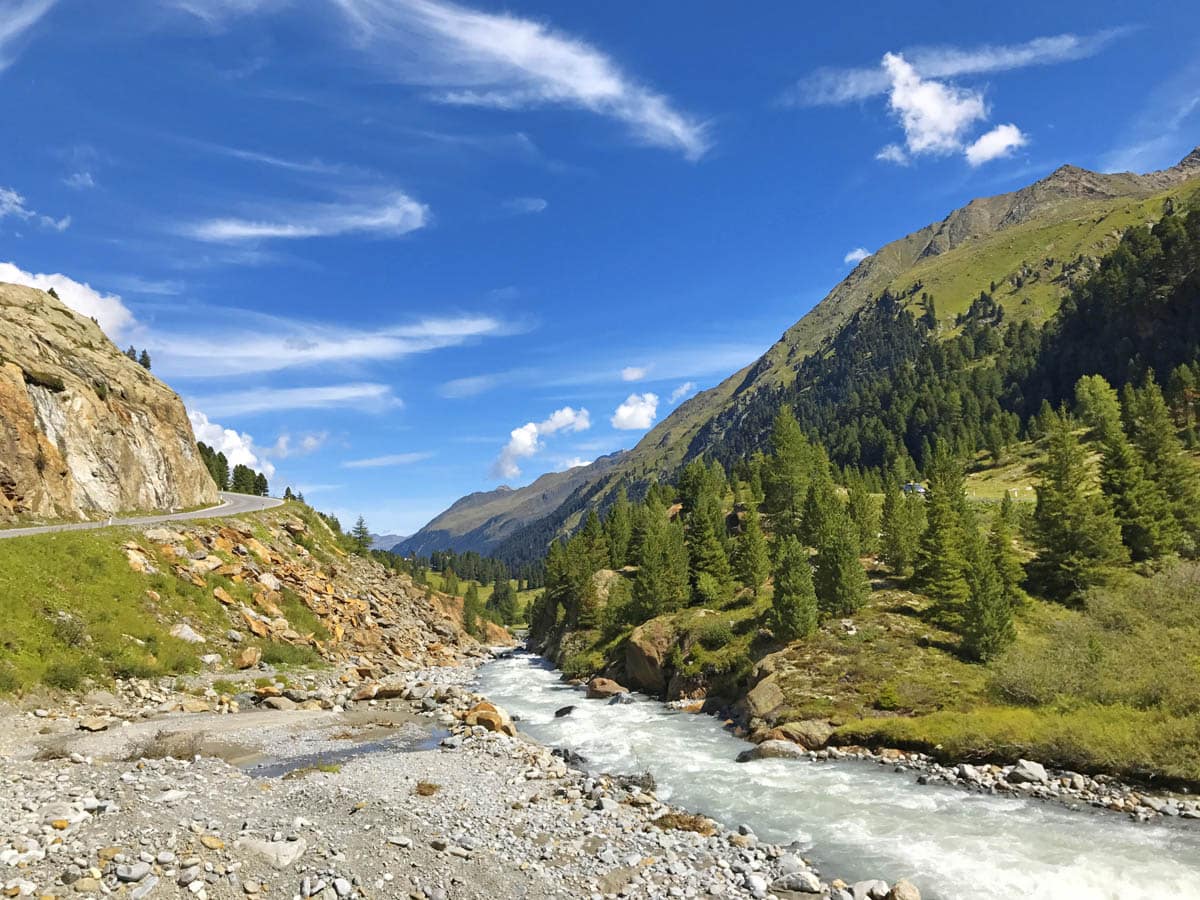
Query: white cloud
497,60
573,462
366,397
394,459
12,204
638,412
213,12
471,386
254,342
634,373
17,17
527,440
238,447
1000,141
893,153
855,256
838,86
521,205
1164,128
287,446
935,116
80,181
107,309
395,214
682,391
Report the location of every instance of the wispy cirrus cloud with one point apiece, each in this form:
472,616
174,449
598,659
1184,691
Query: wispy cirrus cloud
13,205
388,461
17,18
366,397
526,205
1164,129
682,391
473,58
837,86
393,215
246,342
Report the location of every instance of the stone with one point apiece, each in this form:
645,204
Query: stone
223,597
1028,772
247,658
212,842
86,886
279,703
765,699
773,750
185,632
904,890
811,734
872,889
132,873
646,653
603,688
98,723
278,854
563,711
800,882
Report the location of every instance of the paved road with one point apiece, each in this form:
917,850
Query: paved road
231,504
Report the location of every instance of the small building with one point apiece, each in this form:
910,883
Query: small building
913,487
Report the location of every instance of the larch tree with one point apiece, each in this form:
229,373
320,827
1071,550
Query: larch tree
794,601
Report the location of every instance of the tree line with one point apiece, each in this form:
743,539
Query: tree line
240,480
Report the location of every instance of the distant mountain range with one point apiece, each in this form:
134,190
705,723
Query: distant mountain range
1025,248
386,541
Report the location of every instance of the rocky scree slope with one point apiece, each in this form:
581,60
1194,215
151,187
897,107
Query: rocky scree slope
85,431
1025,247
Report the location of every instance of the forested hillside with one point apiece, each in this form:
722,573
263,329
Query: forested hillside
790,556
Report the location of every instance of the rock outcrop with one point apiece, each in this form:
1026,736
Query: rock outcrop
85,432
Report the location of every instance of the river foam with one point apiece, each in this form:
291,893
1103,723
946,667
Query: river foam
861,820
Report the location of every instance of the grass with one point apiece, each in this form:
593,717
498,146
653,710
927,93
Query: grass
74,610
426,788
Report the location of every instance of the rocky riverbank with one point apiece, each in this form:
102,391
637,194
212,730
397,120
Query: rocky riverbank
419,788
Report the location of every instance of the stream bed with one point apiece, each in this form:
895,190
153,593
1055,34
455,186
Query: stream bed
861,820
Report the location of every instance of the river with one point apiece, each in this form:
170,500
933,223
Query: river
860,819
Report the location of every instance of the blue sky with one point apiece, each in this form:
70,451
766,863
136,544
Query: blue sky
399,250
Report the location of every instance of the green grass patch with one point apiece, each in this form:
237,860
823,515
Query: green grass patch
289,655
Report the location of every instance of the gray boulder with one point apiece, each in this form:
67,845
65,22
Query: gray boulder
1028,772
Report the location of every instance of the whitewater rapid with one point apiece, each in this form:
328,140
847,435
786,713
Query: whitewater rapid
861,820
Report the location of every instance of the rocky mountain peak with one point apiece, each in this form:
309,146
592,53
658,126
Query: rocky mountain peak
1191,161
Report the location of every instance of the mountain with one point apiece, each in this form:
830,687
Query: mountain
85,432
483,520
1025,248
386,541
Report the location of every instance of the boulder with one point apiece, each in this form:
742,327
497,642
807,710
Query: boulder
904,890
491,717
279,854
563,711
185,632
646,653
803,882
765,699
874,889
811,734
773,750
248,658
1027,771
280,703
603,688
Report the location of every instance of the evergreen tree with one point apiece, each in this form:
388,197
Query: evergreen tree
1004,552
1076,531
261,487
751,560
661,584
903,521
287,493
450,582
144,360
786,474
941,564
1153,433
821,503
987,615
711,577
243,479
618,527
503,602
840,580
473,611
1147,527
794,601
360,536
863,513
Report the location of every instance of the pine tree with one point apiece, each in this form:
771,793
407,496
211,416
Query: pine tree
751,560
903,521
794,602
821,503
863,513
144,360
661,584
1076,531
711,577
786,474
473,611
450,582
261,487
360,536
987,615
242,481
1004,552
1150,427
840,580
618,527
1147,526
503,602
287,493
941,564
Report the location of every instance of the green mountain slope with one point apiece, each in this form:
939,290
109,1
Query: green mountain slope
1025,248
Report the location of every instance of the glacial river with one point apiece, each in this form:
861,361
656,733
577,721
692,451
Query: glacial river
861,820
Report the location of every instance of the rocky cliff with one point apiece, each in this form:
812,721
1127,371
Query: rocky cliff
85,431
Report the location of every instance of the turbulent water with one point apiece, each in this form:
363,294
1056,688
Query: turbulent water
860,819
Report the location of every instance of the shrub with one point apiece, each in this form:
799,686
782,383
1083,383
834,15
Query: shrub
714,633
65,673
289,655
